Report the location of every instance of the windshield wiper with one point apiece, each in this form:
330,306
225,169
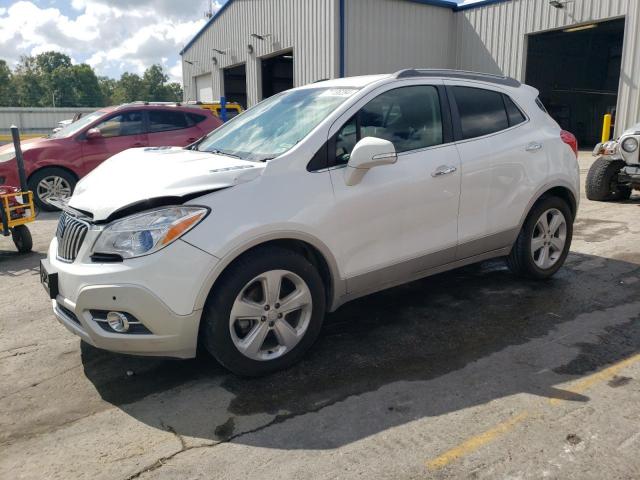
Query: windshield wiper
222,152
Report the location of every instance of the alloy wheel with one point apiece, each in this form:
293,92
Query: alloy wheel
270,315
53,187
549,238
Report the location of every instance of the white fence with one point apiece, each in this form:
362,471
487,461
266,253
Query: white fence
36,120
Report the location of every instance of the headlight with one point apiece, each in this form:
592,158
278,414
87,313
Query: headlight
148,232
630,145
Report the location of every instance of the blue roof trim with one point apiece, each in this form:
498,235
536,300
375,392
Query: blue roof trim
482,3
452,4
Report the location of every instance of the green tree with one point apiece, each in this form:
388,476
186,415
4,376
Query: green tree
153,81
86,87
128,89
29,85
107,88
7,96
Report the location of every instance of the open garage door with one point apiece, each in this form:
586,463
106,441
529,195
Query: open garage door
577,71
277,74
204,88
235,84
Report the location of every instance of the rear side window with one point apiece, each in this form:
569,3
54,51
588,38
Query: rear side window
541,105
513,112
481,111
194,118
163,120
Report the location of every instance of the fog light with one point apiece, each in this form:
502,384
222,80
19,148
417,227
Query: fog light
118,321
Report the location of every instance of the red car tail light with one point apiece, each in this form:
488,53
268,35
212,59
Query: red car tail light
570,139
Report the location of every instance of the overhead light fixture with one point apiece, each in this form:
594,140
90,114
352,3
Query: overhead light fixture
221,52
580,27
214,60
191,62
260,36
556,4
250,49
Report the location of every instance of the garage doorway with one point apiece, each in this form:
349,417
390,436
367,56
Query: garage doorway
277,74
235,84
577,71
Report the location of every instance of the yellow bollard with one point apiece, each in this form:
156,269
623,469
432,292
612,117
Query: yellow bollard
606,128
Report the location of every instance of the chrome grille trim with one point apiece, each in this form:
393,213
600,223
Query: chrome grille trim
70,234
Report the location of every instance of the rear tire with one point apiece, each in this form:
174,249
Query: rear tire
22,238
602,181
539,252
52,181
245,285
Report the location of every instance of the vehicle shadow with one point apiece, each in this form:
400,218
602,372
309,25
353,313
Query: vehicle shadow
463,338
13,264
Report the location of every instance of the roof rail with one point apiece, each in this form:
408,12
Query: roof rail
144,102
462,74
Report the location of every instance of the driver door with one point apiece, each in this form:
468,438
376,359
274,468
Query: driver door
120,132
401,219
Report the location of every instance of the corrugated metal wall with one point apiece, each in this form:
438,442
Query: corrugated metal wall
384,36
309,27
37,120
493,39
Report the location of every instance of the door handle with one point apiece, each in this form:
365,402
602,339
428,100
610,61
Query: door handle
138,144
533,147
443,170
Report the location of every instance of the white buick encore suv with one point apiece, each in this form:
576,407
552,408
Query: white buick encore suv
315,196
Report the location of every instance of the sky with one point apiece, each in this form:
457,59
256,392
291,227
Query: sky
113,36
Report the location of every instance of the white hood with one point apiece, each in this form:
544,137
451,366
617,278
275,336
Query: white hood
144,173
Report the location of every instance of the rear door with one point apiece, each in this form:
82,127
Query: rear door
401,219
168,127
503,162
120,131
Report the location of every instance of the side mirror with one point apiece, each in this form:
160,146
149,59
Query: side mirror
93,134
368,153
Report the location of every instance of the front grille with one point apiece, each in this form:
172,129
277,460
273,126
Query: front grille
70,235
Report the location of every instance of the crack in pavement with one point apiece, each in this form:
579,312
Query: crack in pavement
278,419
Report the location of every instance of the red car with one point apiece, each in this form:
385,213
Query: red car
55,163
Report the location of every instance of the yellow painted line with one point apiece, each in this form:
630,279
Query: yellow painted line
474,443
586,383
478,441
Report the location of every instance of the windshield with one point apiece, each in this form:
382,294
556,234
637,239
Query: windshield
78,125
275,125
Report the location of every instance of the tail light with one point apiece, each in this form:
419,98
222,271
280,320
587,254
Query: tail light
570,139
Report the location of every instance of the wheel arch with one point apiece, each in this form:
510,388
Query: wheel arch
47,167
312,249
561,190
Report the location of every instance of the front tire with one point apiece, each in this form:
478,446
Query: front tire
602,181
543,243
51,182
264,313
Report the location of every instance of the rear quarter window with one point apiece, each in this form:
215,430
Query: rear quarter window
481,111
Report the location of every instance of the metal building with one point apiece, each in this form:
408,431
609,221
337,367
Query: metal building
583,55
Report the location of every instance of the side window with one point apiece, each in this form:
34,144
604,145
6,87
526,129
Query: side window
163,120
513,112
126,123
541,105
194,118
409,117
481,111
